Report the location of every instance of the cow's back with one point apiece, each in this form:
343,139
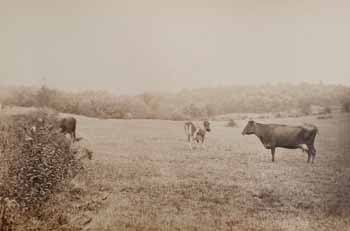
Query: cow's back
290,136
68,124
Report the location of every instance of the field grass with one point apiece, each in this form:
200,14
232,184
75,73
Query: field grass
149,179
156,183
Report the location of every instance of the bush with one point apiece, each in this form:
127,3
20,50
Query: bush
278,115
179,116
193,111
35,159
231,123
327,110
305,108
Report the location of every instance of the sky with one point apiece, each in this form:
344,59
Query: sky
158,45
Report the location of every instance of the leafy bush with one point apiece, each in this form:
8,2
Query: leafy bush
35,159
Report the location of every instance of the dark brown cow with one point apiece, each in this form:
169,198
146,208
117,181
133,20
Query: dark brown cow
273,136
68,125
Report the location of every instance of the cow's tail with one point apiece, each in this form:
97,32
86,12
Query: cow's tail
310,132
317,131
314,133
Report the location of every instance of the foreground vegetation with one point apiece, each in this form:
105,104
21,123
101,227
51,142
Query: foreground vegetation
37,163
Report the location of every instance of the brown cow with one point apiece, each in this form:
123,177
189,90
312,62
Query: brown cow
277,135
68,125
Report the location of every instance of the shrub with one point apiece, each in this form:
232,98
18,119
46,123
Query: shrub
305,108
278,115
36,159
179,116
327,110
231,123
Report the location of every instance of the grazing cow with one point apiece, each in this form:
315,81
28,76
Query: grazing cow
196,133
276,135
68,125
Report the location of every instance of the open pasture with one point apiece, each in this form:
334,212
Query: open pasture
158,183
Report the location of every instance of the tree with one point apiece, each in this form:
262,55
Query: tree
45,96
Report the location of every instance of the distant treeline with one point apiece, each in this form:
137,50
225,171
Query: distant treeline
196,103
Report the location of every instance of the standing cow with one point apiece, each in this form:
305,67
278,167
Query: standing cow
196,133
68,125
273,136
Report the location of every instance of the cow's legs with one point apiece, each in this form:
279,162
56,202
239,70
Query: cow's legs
312,153
307,149
190,141
273,149
308,156
73,136
202,142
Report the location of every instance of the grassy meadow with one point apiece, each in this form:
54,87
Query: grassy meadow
153,181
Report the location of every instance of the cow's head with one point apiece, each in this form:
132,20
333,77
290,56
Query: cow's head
206,125
249,128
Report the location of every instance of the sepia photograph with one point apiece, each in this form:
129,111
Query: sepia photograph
125,115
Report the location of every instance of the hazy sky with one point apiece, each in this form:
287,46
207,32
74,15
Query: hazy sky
133,46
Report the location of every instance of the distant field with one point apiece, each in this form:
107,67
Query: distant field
157,183
154,182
